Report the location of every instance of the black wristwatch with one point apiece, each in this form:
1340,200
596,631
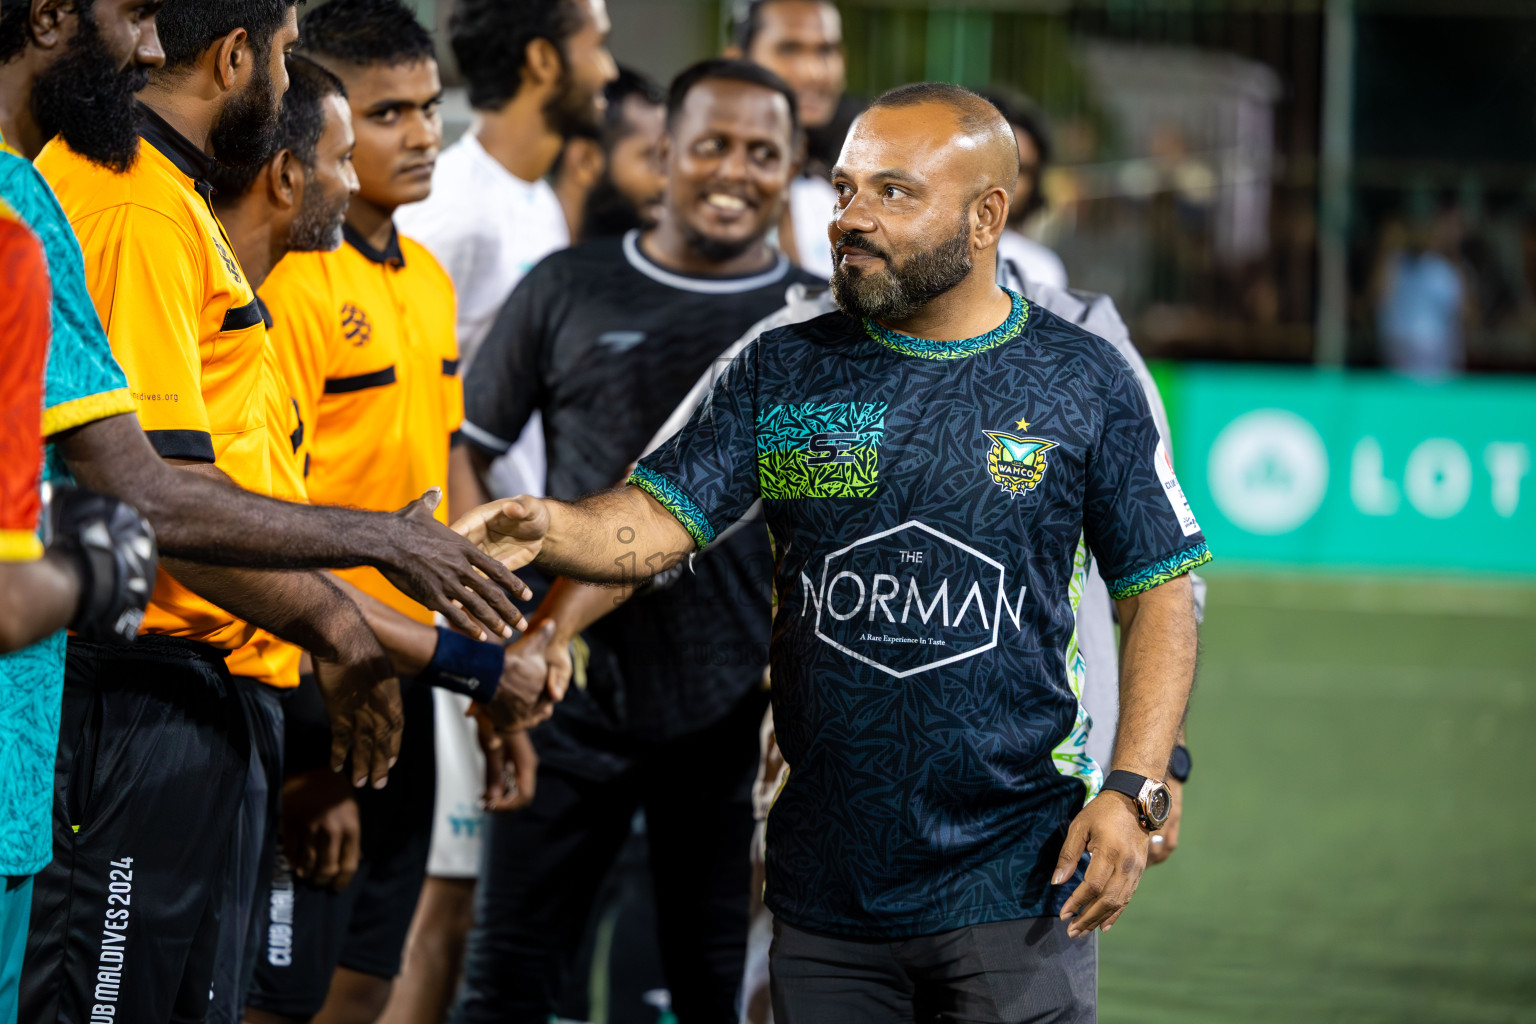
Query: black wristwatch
1178,764
1151,797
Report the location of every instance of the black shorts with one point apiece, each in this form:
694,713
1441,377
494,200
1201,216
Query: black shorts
151,770
252,848
310,931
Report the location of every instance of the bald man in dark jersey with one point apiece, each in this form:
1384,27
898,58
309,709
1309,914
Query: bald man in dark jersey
935,461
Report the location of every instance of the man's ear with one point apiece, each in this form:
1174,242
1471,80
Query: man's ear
733,52
542,64
285,180
232,59
991,217
587,161
53,23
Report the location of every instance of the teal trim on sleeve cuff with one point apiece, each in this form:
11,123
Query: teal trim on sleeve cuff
1159,573
676,501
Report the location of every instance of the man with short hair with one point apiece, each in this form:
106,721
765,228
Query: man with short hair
182,319
296,202
935,461
604,339
611,183
364,341
801,41
293,202
535,70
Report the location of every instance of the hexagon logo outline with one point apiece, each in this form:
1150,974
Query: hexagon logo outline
997,611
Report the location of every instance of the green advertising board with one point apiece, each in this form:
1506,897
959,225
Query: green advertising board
1304,467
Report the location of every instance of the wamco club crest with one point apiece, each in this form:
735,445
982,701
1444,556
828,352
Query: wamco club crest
1017,463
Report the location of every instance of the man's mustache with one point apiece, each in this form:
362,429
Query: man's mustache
860,241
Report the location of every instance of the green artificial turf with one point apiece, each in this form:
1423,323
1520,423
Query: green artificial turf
1360,832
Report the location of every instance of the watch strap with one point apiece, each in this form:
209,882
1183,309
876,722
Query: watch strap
1125,782
1131,785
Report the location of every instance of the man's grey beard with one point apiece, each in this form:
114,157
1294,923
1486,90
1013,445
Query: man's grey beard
900,291
315,228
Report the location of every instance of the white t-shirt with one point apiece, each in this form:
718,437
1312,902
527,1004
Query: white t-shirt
1021,259
488,227
811,204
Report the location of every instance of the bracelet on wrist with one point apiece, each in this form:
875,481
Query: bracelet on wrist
462,665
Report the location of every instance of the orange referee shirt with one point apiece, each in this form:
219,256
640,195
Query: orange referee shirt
367,344
265,658
183,323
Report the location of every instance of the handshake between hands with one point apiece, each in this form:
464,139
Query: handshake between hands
322,829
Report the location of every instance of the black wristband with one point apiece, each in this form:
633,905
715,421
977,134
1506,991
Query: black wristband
1179,764
466,666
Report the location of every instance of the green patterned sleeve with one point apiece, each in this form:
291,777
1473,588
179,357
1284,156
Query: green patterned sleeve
1137,520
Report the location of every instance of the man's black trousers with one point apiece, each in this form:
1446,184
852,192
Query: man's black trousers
544,864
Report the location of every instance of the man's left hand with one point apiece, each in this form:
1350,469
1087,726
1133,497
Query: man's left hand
523,699
511,765
1109,830
1166,839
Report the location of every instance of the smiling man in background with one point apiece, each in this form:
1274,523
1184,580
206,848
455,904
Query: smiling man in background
365,340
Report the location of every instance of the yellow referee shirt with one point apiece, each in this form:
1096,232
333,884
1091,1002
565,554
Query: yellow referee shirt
183,323
366,341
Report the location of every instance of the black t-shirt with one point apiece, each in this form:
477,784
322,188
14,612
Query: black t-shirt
934,504
604,344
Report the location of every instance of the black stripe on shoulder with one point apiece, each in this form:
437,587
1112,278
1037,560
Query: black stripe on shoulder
450,367
192,445
241,317
363,381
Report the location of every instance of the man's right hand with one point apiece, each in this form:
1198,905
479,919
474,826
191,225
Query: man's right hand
322,831
435,566
362,698
511,531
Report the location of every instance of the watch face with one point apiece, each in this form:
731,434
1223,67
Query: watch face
1158,804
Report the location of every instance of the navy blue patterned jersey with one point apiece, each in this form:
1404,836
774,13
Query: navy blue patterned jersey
933,505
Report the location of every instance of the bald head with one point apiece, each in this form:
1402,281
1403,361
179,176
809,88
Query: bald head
981,135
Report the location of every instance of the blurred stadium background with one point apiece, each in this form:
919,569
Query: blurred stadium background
1247,178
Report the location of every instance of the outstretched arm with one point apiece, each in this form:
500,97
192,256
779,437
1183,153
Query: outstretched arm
619,537
200,516
522,699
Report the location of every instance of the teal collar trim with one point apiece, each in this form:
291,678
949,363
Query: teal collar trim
923,348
